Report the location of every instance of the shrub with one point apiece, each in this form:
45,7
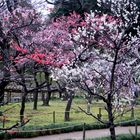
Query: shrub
130,123
49,130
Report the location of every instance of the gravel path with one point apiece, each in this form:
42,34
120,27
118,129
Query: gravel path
89,134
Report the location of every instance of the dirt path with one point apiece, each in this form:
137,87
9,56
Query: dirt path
89,134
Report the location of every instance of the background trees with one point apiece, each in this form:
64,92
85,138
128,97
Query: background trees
63,7
21,47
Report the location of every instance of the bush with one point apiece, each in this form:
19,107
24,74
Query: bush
55,129
130,123
49,130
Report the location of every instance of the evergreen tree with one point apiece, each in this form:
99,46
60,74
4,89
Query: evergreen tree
64,7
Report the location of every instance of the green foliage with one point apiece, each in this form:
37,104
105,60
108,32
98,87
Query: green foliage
75,5
49,129
129,123
80,7
44,114
43,117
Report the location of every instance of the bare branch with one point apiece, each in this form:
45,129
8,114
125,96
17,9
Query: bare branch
90,114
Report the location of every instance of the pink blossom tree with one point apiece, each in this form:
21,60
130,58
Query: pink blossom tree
30,40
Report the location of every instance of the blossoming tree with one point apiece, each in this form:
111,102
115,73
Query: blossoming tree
103,46
28,39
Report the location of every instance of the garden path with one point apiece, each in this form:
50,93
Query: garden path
89,134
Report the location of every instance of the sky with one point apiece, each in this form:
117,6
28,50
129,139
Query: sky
42,6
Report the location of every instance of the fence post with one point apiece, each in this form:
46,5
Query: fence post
84,131
136,128
88,108
53,116
132,113
100,113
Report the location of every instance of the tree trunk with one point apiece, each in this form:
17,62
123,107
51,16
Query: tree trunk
48,95
68,107
23,108
46,99
60,95
112,132
3,84
43,98
8,97
110,96
111,121
35,100
36,92
2,95
25,92
4,45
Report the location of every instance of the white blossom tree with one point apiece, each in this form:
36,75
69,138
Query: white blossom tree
106,47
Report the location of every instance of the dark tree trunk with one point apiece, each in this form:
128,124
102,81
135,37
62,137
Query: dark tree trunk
36,92
61,89
111,121
2,94
22,108
68,107
35,99
48,95
3,84
43,98
25,93
110,97
60,95
112,132
8,97
46,99
5,65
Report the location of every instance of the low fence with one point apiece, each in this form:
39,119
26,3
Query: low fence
57,117
56,130
44,118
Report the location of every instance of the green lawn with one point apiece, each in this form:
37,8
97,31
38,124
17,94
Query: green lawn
44,115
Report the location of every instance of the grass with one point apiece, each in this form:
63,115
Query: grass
46,130
43,118
44,115
120,137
